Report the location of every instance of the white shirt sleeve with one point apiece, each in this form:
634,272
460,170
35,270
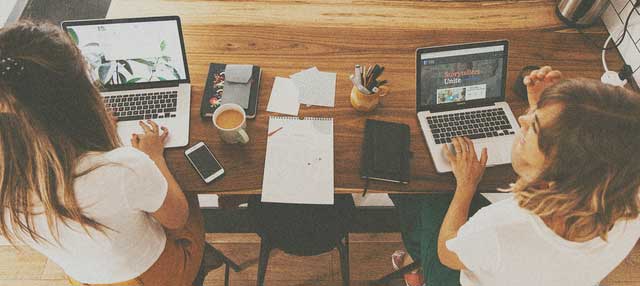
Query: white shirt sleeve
476,244
146,186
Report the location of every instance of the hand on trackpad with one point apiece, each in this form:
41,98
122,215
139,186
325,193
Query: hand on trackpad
477,147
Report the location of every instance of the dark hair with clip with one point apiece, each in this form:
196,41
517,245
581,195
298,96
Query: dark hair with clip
52,115
10,68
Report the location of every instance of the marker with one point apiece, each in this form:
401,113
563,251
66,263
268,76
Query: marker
358,86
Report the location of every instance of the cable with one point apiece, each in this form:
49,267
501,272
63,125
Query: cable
604,61
612,77
618,42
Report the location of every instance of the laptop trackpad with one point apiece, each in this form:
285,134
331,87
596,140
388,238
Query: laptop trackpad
496,155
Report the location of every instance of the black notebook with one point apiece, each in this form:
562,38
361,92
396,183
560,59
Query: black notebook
385,152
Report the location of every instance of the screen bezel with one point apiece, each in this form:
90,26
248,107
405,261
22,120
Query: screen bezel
145,85
197,146
463,104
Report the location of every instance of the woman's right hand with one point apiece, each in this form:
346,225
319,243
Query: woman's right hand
537,81
466,166
151,142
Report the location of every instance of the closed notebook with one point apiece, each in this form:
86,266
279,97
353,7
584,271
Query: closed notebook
385,151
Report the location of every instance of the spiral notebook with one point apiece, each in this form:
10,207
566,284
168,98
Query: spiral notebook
298,166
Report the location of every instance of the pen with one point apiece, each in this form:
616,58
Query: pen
372,84
380,71
274,131
364,75
366,187
375,73
358,74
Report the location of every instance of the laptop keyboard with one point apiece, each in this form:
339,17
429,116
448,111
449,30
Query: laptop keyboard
472,124
140,106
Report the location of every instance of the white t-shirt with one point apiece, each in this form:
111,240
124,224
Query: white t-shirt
505,245
120,194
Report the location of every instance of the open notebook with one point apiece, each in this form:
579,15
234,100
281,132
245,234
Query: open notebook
298,167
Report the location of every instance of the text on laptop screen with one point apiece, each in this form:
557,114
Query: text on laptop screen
133,52
461,75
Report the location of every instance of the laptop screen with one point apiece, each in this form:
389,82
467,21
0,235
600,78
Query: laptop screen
456,75
125,52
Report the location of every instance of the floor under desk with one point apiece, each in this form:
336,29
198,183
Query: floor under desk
369,257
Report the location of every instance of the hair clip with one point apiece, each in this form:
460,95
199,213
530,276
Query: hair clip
11,68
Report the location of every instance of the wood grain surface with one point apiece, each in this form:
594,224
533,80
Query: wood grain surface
284,37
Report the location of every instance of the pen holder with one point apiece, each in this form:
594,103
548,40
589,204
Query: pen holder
367,102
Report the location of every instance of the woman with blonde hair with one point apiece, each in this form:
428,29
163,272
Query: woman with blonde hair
106,214
574,214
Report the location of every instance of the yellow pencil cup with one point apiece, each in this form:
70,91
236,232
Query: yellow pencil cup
367,102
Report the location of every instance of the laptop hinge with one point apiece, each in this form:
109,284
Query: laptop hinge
462,105
173,83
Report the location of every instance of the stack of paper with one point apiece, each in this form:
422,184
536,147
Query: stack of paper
316,87
310,87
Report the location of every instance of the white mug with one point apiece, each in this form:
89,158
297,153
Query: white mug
232,135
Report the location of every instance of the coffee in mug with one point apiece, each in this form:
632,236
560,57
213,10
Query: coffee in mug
230,120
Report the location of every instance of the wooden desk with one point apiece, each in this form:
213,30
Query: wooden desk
284,37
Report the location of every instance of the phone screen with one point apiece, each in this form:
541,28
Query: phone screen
204,162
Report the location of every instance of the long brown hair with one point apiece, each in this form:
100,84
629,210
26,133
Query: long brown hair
52,114
593,169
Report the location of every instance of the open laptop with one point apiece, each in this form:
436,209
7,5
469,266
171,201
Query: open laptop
460,91
141,66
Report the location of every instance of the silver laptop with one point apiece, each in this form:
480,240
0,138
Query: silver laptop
460,91
141,66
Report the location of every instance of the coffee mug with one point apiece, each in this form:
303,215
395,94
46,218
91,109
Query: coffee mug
230,120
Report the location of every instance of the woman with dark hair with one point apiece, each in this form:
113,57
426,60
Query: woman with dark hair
574,214
106,214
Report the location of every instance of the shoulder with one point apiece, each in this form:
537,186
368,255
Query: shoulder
126,155
122,161
502,214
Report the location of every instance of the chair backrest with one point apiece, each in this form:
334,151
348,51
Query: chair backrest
303,230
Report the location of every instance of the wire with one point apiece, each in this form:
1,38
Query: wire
626,25
604,61
618,42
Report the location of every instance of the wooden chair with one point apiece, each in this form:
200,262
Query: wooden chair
303,230
228,263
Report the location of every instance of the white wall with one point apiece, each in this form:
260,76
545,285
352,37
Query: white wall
614,18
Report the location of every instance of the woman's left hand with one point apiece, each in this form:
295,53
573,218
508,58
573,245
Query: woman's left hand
151,142
467,169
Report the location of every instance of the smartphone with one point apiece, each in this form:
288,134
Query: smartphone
204,162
